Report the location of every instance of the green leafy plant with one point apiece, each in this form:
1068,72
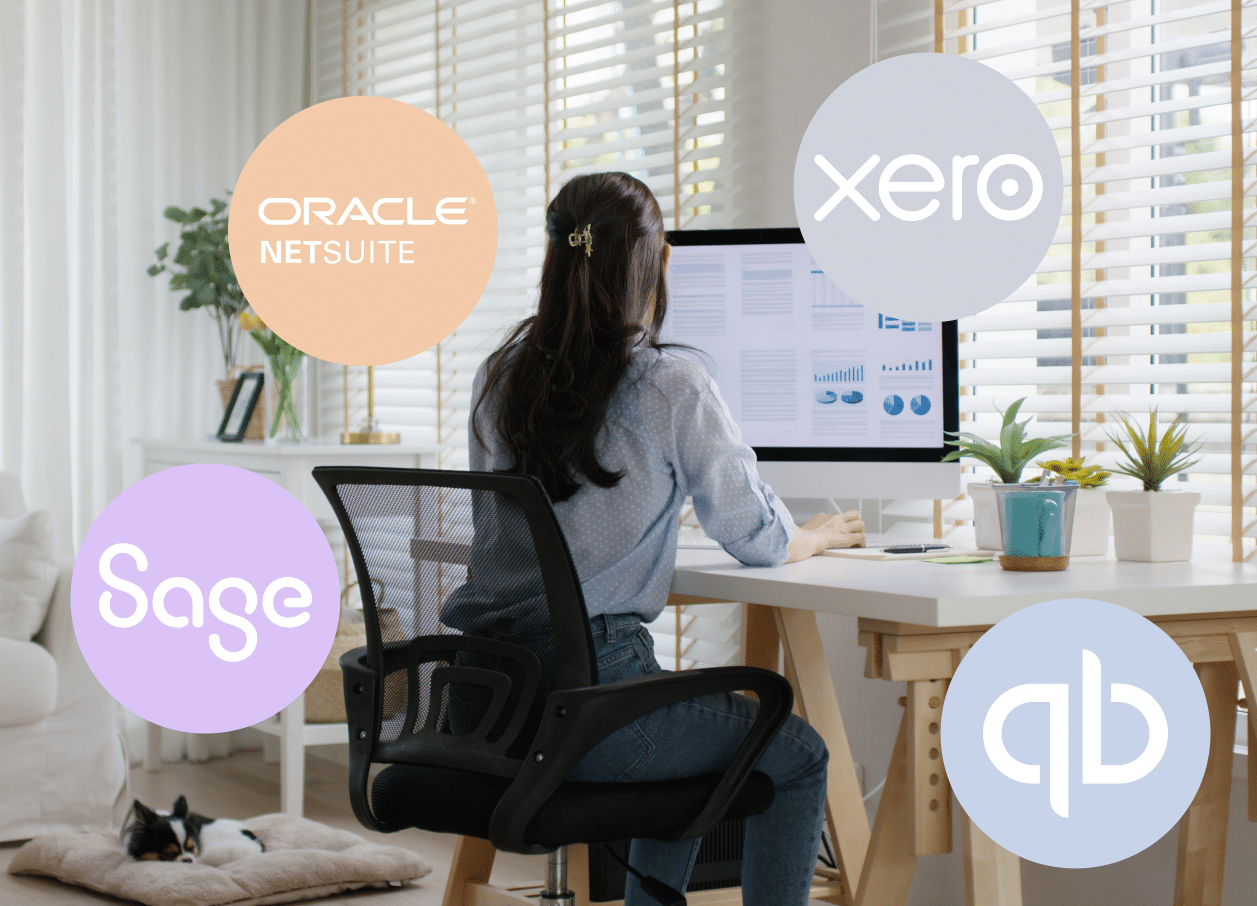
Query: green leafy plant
1015,450
201,268
1077,470
285,362
1155,457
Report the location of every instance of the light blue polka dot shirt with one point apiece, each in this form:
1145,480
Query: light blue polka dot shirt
670,432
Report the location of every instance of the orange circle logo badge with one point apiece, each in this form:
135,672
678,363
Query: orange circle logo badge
363,230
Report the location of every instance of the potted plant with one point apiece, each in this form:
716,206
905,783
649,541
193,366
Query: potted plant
1154,525
1007,460
201,269
1091,510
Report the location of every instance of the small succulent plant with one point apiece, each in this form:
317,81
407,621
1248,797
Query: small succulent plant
1155,457
1077,470
1014,452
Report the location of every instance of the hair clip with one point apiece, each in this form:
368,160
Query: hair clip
585,238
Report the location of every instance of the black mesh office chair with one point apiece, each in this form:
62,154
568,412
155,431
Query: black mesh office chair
479,733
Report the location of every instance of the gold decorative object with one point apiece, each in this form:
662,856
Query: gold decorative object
370,432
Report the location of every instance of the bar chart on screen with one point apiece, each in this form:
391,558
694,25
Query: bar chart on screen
838,372
916,365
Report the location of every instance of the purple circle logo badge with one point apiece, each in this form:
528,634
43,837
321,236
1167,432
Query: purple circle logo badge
205,598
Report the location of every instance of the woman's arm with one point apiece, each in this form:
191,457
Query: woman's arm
822,533
734,506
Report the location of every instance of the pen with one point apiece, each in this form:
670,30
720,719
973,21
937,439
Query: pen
915,548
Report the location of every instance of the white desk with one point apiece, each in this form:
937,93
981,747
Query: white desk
916,621
288,465
977,594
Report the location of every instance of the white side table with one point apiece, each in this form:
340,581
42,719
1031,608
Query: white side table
290,467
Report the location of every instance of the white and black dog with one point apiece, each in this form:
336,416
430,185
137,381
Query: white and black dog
182,836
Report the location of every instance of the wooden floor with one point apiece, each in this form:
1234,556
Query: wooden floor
242,786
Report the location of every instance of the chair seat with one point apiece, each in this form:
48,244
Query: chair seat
445,800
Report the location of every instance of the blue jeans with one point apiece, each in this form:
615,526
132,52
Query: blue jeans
700,736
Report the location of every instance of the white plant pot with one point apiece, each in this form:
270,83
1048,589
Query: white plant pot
1091,523
985,517
1153,526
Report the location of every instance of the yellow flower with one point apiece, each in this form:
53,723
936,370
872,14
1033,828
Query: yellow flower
251,322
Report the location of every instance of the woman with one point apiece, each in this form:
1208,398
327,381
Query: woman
619,431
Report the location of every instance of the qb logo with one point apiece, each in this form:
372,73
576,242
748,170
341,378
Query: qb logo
928,186
1092,702
1056,695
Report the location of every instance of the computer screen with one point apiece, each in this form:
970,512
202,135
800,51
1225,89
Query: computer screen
810,375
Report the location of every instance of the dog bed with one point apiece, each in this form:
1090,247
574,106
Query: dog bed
304,860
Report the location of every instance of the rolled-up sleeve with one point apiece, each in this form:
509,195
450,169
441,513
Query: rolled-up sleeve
717,470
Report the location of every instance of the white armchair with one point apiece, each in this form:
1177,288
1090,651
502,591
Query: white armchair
61,760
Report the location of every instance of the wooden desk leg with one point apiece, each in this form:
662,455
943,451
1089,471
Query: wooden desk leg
1202,832
1244,647
890,862
578,872
762,642
927,780
992,873
472,865
818,705
1252,764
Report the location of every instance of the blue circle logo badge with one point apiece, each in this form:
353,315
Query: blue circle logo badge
1075,733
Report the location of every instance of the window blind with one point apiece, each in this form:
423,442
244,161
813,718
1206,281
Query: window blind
1142,302
541,91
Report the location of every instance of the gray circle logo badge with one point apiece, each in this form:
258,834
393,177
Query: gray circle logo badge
928,187
1075,733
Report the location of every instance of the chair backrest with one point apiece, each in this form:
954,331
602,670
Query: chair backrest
473,610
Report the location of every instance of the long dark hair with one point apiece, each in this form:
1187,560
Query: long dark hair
553,376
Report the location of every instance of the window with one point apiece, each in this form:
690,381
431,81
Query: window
1142,302
541,90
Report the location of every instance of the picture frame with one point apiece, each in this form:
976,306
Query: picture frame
244,399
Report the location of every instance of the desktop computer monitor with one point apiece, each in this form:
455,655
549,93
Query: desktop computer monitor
837,401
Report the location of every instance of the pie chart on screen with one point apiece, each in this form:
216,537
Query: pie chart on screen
893,404
920,404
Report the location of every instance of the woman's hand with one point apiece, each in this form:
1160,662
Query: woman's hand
824,532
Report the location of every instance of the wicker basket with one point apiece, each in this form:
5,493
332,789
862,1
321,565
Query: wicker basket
325,697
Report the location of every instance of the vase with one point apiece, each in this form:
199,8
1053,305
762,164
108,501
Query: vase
1092,522
1153,526
285,397
1036,524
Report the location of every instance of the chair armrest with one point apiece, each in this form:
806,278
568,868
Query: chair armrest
575,720
363,717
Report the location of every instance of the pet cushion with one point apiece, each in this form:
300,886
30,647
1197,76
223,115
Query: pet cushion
304,860
28,573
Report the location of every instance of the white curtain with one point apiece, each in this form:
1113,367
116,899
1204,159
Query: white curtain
110,110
